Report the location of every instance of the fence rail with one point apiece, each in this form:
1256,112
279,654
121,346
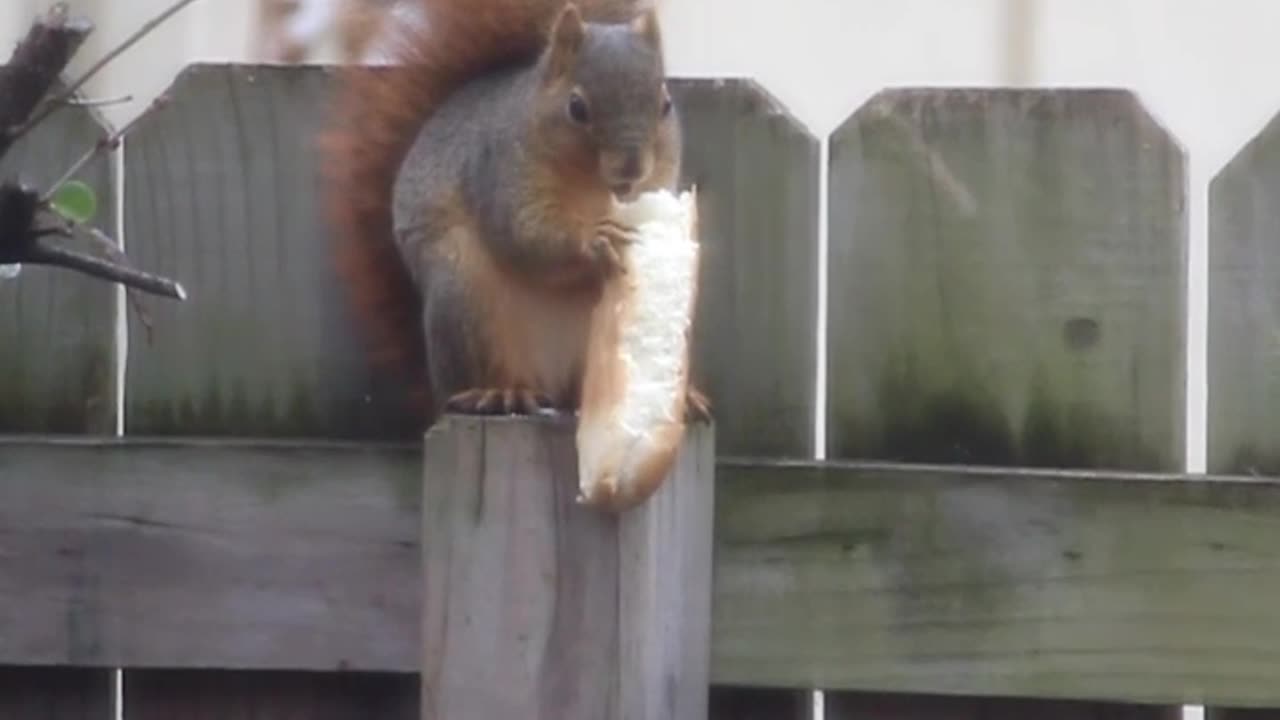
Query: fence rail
1000,531
843,575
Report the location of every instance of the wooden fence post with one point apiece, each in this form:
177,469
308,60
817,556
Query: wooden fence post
536,607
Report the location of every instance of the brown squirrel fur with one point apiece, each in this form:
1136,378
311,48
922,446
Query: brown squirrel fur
469,187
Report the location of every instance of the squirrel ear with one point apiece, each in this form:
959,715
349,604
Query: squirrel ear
646,25
566,38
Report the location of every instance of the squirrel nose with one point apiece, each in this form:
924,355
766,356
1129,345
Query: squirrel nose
625,166
629,169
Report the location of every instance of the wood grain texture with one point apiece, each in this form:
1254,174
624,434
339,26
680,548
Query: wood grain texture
190,555
536,607
208,695
929,579
57,327
920,707
912,579
756,171
44,693
1244,310
224,196
1007,281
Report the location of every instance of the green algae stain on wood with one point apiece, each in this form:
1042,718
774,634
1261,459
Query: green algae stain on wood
1007,281
224,195
756,172
57,326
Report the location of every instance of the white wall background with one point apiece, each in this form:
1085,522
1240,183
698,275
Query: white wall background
1205,68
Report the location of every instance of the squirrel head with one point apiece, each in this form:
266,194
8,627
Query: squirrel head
603,102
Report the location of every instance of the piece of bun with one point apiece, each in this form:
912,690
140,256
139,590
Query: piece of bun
632,417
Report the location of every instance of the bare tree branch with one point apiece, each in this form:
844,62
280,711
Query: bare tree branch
44,254
34,68
103,145
72,89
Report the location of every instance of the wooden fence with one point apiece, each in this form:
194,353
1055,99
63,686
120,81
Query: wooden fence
1001,528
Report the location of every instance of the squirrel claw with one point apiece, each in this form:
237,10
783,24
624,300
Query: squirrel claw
609,240
498,401
697,408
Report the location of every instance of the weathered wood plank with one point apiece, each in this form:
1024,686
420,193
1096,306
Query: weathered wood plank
57,327
1007,280
924,579
1244,310
537,607
208,204
186,554
998,582
210,695
926,707
223,194
756,170
35,693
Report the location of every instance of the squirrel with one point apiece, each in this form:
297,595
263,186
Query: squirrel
470,183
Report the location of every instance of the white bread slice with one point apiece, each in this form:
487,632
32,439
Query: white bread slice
632,416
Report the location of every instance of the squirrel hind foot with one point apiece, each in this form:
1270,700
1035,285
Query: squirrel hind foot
499,401
697,408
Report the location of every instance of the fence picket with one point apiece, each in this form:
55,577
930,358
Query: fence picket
57,327
1007,276
57,375
1244,323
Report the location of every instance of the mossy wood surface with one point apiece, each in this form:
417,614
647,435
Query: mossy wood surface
918,579
1244,310
756,171
224,195
57,326
188,555
1007,281
929,579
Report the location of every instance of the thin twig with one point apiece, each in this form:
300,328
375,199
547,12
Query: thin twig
71,90
105,144
113,251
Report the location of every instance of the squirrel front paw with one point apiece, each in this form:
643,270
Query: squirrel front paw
697,408
498,401
609,243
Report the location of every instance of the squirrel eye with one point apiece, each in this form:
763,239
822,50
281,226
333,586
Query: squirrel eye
666,106
578,109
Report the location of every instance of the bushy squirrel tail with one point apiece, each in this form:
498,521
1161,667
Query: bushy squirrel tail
377,114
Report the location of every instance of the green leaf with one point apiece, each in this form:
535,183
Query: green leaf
75,201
